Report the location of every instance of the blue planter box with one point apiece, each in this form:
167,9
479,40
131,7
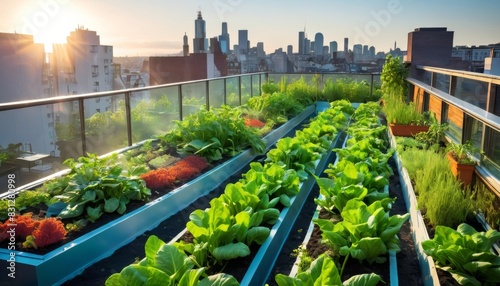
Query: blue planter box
71,259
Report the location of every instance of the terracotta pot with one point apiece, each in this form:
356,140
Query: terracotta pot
407,130
463,172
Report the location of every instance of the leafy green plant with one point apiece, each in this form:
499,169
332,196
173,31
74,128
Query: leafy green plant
466,254
323,271
293,154
213,134
433,136
24,199
166,265
366,233
98,185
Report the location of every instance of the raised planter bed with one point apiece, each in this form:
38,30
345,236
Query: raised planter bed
264,260
69,260
419,234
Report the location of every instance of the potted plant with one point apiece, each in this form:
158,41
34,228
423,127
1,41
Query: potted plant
462,164
404,119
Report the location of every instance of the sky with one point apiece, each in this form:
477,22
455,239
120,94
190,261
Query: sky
157,27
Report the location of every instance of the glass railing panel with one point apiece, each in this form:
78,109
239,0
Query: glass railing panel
232,92
246,88
473,91
153,112
30,147
256,85
193,97
216,92
105,124
442,82
491,158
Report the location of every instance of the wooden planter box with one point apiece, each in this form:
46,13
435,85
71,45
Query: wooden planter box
407,130
463,172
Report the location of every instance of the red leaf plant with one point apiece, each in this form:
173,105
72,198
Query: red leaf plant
180,171
19,225
253,122
50,231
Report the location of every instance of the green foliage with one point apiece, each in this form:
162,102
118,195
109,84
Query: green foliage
213,134
348,89
393,78
400,112
166,265
437,189
366,233
466,254
24,199
97,185
462,152
323,271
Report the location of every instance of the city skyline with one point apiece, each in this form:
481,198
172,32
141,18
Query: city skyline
154,28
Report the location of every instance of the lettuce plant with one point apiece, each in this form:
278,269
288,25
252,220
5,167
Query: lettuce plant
97,185
466,254
366,233
166,265
323,271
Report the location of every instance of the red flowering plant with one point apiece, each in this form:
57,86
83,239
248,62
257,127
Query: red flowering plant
49,231
37,233
181,171
254,122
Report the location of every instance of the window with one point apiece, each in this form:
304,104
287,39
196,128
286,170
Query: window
94,49
96,86
98,110
106,61
106,69
95,70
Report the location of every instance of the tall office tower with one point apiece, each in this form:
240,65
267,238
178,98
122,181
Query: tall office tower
200,42
224,39
346,45
357,51
318,46
307,46
289,50
366,52
185,46
333,46
302,37
260,50
372,52
243,42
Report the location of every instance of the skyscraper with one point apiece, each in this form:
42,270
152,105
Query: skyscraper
333,47
318,45
302,43
200,42
346,45
243,45
185,46
224,39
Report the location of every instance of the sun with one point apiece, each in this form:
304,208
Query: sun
52,35
50,24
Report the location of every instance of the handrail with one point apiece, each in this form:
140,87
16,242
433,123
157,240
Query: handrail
463,74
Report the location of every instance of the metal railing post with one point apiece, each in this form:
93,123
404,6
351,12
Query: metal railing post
81,113
207,94
179,94
128,117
